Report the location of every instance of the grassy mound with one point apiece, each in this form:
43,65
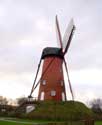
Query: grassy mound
60,111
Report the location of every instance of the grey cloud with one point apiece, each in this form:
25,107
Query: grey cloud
20,20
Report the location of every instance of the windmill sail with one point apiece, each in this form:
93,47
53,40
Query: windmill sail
68,36
58,34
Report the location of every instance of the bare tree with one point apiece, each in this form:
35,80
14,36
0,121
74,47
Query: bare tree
3,100
96,105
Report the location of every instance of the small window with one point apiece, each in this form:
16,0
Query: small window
44,82
63,96
53,93
42,96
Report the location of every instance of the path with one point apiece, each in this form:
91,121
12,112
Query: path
15,121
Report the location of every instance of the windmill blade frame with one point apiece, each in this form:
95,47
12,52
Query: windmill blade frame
58,33
70,86
68,36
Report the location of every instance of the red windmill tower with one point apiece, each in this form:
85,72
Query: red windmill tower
52,86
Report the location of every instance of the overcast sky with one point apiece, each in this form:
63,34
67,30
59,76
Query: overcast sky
27,26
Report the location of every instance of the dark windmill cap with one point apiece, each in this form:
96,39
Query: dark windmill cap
52,51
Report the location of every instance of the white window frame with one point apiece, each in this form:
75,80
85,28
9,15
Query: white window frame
53,93
42,96
43,82
63,96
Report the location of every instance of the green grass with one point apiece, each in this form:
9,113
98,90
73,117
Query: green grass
31,122
16,121
10,123
98,123
19,122
58,123
34,123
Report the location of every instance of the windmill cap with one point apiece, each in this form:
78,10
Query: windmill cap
52,52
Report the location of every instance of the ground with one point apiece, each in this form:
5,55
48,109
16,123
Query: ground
51,112
6,121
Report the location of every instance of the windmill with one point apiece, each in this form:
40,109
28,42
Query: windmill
51,83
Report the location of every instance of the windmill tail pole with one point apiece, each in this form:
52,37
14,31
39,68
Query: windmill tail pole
35,86
43,73
69,80
35,79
